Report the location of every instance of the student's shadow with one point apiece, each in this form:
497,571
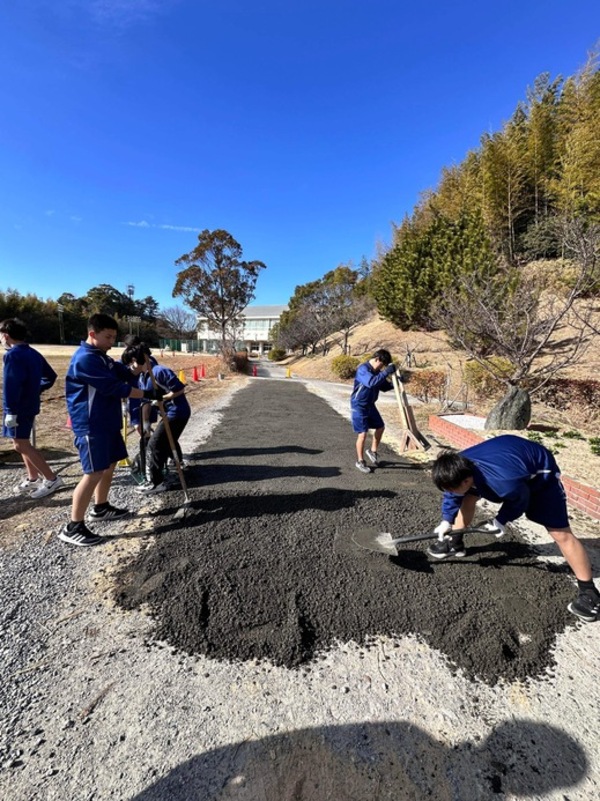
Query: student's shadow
378,760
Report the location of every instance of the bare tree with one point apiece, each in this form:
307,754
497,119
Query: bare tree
511,314
177,321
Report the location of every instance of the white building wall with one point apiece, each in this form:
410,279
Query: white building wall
255,334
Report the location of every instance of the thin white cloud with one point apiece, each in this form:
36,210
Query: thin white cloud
49,212
187,228
75,219
163,226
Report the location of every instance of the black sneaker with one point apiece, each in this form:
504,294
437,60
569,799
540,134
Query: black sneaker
79,535
586,607
449,546
372,456
362,466
108,512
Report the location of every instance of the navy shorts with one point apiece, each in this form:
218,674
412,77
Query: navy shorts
548,503
363,420
22,430
98,453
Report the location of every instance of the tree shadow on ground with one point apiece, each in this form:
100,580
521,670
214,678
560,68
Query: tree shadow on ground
232,473
387,760
244,452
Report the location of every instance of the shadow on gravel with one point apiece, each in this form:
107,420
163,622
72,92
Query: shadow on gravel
225,473
389,760
226,453
222,507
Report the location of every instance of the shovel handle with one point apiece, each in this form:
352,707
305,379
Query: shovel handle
417,537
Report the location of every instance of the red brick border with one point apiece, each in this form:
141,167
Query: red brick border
582,497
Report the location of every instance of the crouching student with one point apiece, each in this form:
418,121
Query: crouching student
522,476
177,412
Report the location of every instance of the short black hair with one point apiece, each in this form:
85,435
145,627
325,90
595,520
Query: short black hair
136,353
384,356
450,469
16,329
99,322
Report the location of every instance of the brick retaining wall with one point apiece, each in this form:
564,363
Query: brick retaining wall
582,497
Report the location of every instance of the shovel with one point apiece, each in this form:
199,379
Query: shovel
183,510
383,541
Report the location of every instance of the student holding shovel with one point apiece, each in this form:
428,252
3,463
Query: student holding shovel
95,387
176,409
142,423
522,476
371,379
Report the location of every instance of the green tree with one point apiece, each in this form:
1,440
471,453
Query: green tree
424,262
507,196
106,299
578,187
217,283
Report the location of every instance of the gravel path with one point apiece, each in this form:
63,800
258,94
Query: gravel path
92,707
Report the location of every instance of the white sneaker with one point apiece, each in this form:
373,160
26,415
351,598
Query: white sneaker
27,485
47,487
182,463
149,488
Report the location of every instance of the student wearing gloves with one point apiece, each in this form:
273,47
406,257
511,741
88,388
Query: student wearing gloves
524,478
177,411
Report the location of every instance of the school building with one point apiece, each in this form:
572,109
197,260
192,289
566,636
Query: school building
252,335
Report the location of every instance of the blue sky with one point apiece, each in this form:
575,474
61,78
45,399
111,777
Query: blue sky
305,128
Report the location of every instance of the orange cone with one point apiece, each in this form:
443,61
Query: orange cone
195,374
68,424
202,371
254,370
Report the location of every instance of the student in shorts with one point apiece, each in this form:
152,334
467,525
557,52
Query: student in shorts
372,377
26,375
95,387
522,476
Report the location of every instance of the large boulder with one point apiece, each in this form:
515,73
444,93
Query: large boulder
512,412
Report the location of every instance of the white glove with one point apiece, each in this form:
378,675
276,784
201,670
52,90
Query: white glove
443,528
495,528
10,420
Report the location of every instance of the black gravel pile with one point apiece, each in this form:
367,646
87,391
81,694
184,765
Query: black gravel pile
264,566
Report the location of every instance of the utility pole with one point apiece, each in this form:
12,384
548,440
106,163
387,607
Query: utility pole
61,325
